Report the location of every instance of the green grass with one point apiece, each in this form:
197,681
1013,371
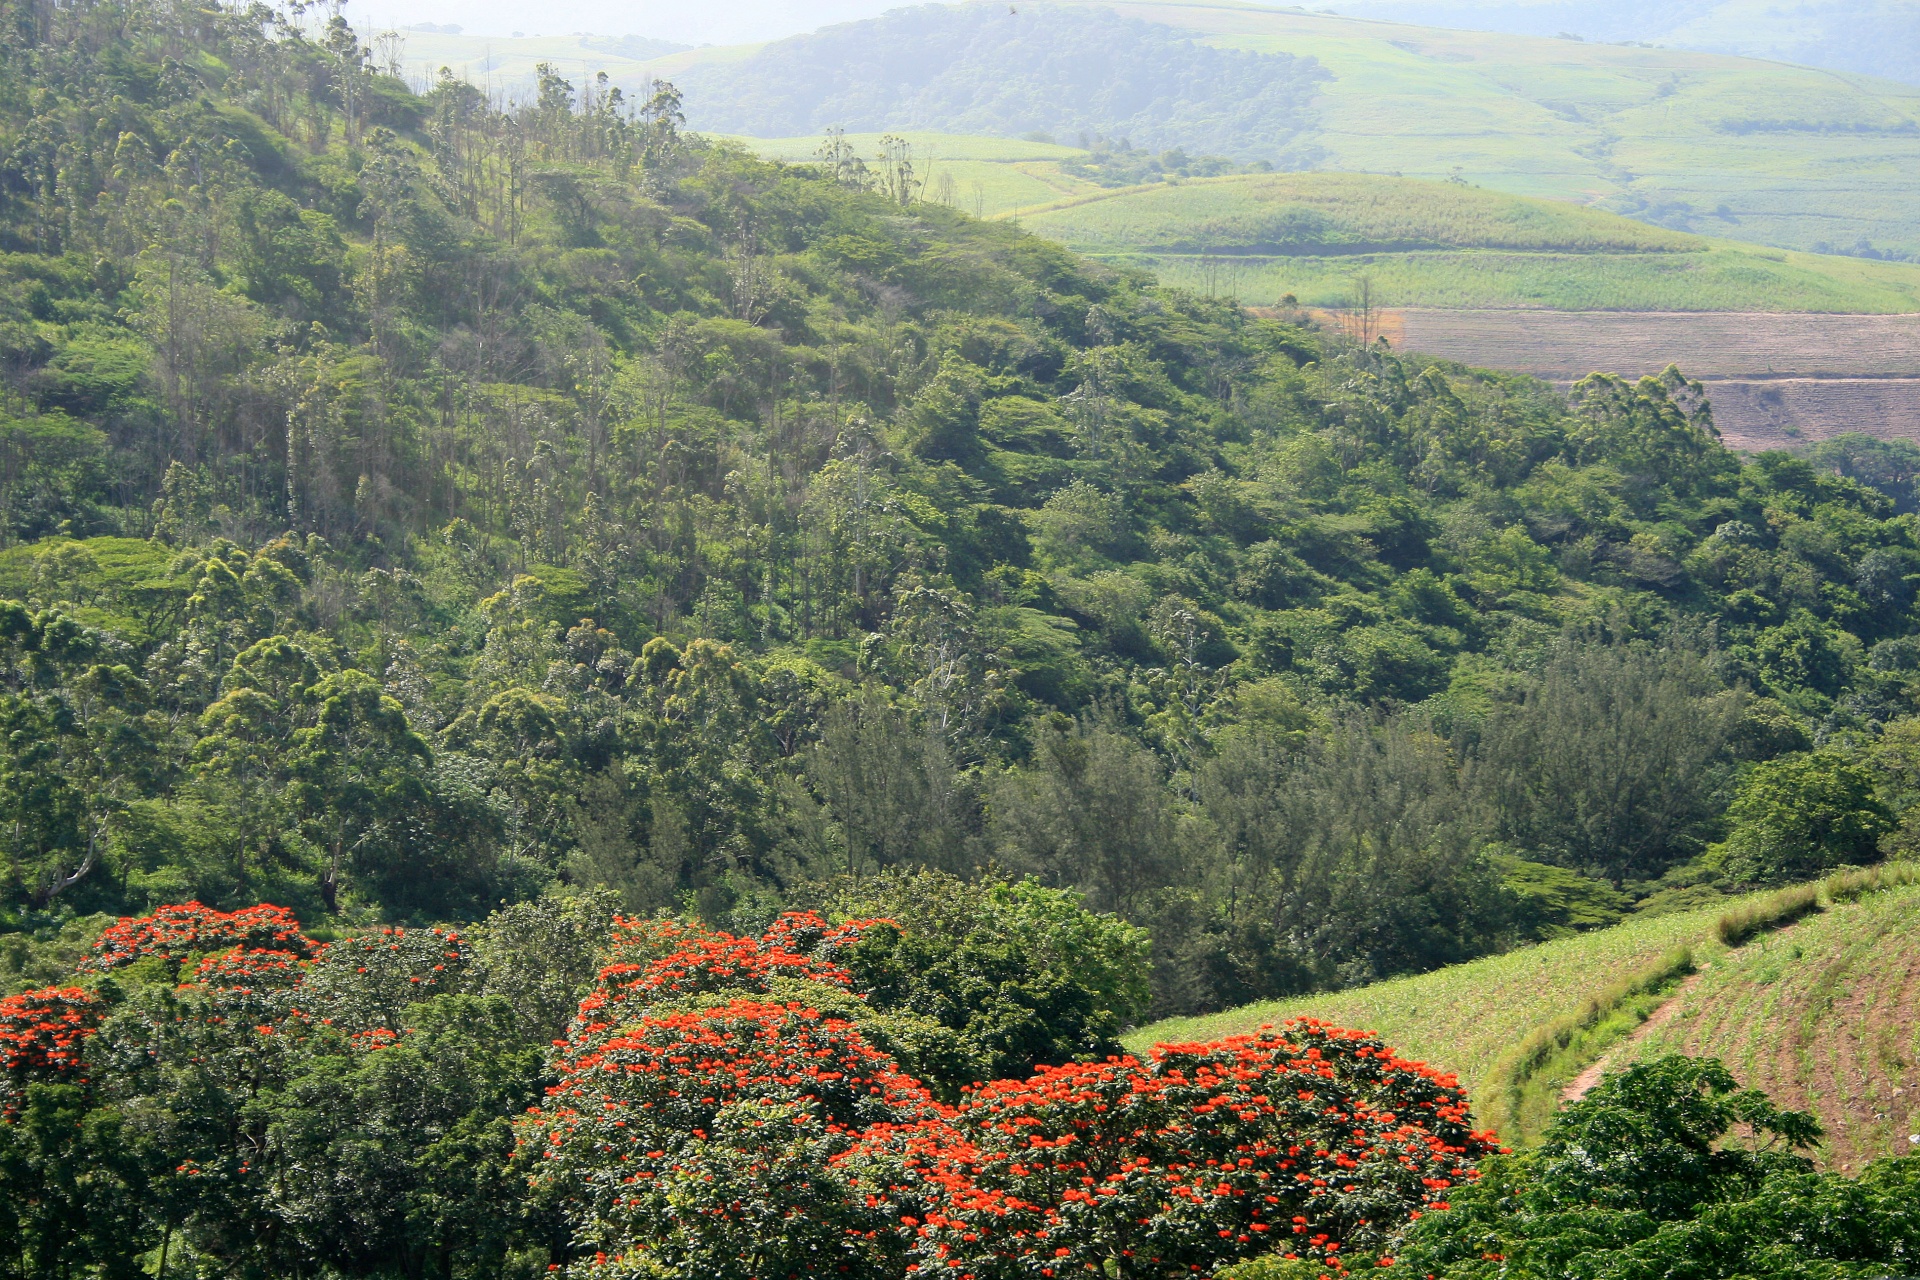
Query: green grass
1816,1010
1469,1018
1440,244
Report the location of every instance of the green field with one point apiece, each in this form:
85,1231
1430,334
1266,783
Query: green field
1441,244
1820,1013
1821,1016
1325,213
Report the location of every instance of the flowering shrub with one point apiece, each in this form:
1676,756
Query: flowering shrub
176,932
805,933
1306,1140
703,1143
251,968
761,1139
42,1034
662,960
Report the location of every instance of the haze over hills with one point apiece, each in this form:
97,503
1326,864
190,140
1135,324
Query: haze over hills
978,69
1871,37
1731,147
1875,37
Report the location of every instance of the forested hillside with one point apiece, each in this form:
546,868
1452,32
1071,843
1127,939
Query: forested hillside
1046,68
412,505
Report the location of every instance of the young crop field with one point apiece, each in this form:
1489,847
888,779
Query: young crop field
1467,1018
1724,278
1824,1016
1318,236
1318,214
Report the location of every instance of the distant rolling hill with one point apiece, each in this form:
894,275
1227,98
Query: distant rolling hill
1007,71
1871,37
1436,244
1732,147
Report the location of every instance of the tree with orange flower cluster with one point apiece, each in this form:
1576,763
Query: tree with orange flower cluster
704,1124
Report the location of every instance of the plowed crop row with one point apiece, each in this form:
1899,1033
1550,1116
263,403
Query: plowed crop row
1824,1016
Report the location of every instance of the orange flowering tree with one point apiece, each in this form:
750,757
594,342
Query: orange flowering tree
43,1036
752,1137
1305,1140
184,930
705,1143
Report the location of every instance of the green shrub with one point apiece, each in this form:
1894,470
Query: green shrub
1799,816
1775,911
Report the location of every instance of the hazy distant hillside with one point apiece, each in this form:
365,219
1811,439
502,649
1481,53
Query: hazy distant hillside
984,69
1875,37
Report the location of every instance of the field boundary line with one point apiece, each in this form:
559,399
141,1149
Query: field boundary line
1581,1085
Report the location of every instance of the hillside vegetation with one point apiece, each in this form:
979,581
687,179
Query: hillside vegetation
649,712
413,505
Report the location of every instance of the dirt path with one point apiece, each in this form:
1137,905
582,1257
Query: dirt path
1586,1080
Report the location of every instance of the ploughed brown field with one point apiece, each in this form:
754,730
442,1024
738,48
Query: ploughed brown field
1775,379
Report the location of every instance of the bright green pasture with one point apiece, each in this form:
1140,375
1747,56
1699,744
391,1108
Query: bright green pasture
1725,278
1441,244
1464,1019
1298,212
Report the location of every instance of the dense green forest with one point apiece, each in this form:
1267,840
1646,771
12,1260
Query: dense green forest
415,503
1086,73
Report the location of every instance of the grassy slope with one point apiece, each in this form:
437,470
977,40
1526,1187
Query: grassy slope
1822,1016
989,175
1445,245
1823,1013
